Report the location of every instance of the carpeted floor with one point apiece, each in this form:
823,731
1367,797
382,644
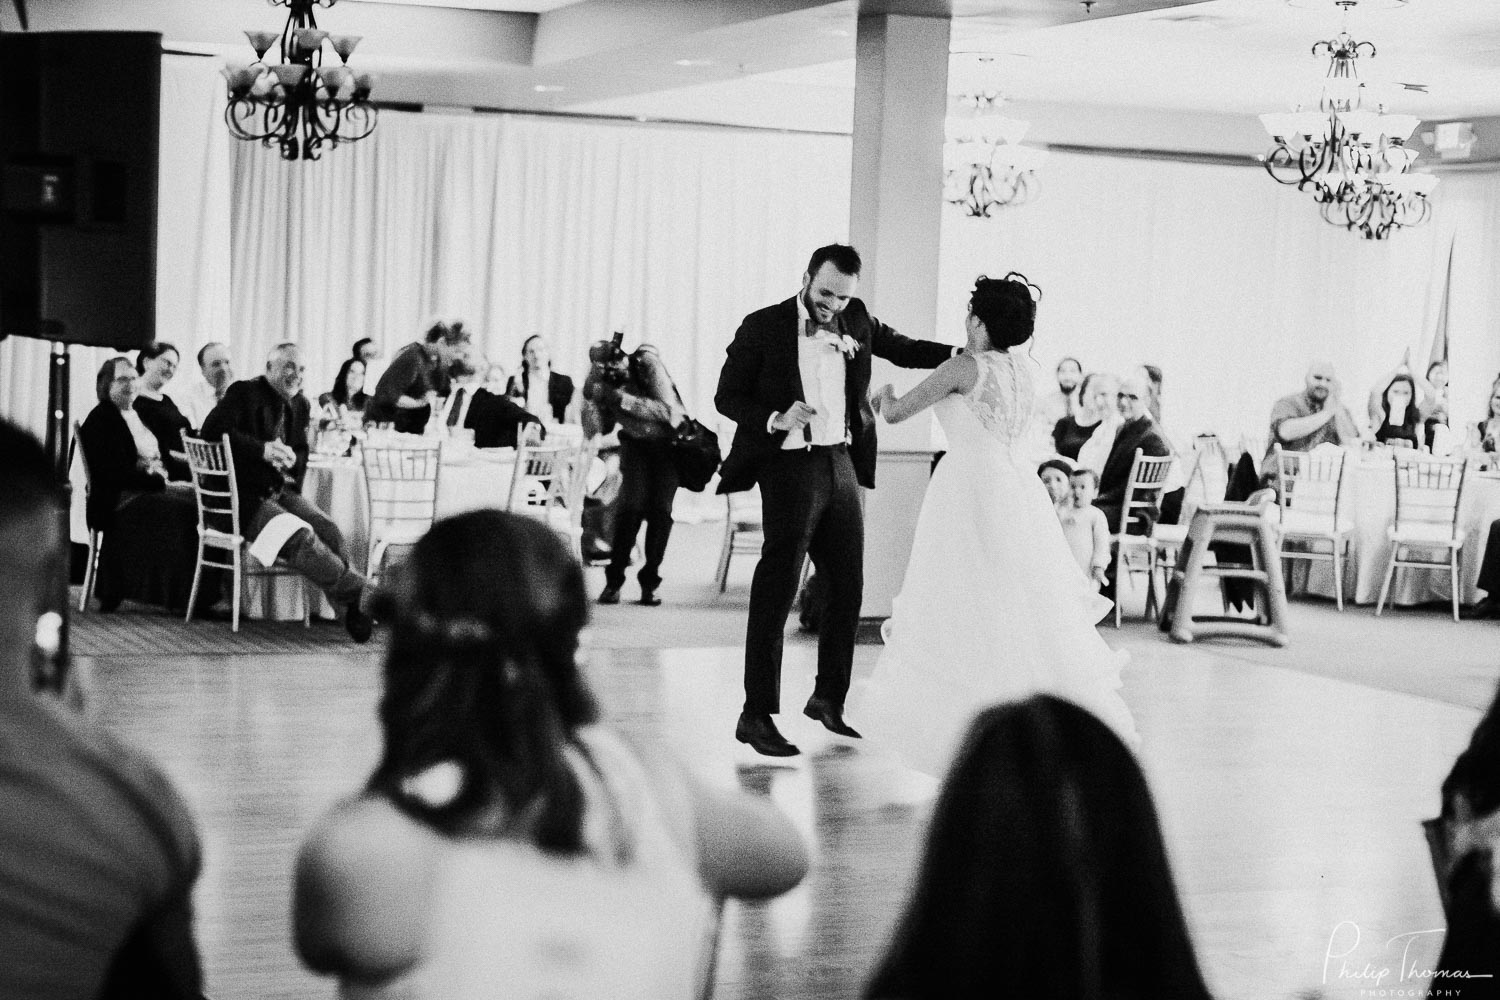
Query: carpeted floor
1417,651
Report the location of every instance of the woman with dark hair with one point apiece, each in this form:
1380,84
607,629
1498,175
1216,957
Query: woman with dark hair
150,525
1486,436
348,393
504,825
539,389
157,364
993,607
1045,875
1401,418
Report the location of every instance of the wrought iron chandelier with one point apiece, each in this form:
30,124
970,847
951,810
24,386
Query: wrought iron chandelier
985,165
298,103
1355,162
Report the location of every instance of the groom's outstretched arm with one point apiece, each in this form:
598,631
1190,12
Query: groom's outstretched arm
736,397
904,352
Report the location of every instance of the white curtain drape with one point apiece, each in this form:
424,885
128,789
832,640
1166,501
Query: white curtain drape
521,225
1233,285
192,233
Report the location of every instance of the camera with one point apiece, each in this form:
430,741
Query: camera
611,363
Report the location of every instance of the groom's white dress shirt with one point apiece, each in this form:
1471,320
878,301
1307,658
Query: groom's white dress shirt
821,364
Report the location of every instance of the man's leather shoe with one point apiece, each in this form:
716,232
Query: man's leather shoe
610,595
358,624
832,717
760,732
1484,609
649,598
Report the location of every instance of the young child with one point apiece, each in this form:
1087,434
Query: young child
1084,525
1054,474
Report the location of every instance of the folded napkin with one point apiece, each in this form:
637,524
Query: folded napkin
267,545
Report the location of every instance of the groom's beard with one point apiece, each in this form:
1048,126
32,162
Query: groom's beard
815,311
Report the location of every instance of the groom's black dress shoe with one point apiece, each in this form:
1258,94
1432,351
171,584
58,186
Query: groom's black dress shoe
760,732
831,715
1484,609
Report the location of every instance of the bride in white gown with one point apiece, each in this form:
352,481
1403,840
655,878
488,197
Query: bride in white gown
993,607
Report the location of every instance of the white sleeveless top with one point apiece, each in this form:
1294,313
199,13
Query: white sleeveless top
510,921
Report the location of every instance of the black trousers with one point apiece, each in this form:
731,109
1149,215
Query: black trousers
811,506
1489,568
648,485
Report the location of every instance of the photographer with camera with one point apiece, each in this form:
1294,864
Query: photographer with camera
634,393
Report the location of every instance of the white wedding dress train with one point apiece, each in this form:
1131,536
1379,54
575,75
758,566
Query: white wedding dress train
993,607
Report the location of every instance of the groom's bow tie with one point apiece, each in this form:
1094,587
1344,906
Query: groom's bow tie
812,329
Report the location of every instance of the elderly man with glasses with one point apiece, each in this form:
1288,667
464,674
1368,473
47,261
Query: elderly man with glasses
1138,431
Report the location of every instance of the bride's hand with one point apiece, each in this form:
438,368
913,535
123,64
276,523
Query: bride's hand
883,398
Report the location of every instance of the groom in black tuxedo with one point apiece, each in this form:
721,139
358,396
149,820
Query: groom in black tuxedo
796,383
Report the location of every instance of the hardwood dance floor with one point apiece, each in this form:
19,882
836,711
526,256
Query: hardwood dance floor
1290,803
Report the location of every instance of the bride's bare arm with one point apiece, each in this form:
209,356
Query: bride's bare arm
957,374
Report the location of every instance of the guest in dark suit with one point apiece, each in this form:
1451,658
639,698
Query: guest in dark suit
156,365
266,419
494,416
1138,432
796,383
149,525
538,388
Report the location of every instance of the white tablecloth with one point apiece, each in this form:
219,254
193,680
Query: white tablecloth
469,479
1370,497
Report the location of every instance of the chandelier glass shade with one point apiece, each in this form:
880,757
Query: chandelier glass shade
297,102
1354,161
985,167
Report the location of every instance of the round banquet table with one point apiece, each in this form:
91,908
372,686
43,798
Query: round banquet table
468,479
1370,497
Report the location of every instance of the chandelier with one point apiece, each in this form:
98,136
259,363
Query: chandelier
1354,162
985,167
298,103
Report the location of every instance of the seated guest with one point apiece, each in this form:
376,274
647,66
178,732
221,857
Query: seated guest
150,525
199,398
1054,475
1099,401
1084,525
348,394
1486,433
541,390
1314,416
1071,432
494,416
416,378
1153,376
98,855
1400,420
1044,873
1137,431
464,375
267,420
1054,406
507,836
157,363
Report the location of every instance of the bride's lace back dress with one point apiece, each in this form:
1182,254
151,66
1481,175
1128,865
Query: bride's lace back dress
993,607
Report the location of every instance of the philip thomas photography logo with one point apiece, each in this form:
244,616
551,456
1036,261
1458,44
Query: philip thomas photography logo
1403,965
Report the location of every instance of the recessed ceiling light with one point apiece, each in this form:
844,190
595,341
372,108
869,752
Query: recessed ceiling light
548,88
692,62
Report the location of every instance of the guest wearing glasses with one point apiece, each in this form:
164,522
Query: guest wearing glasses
266,420
1137,431
157,364
508,842
542,391
150,525
417,378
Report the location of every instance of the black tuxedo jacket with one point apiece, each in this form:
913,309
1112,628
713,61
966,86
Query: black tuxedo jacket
761,377
559,392
109,449
496,420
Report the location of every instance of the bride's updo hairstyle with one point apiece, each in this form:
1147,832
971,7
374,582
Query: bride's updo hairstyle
483,694
1007,308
